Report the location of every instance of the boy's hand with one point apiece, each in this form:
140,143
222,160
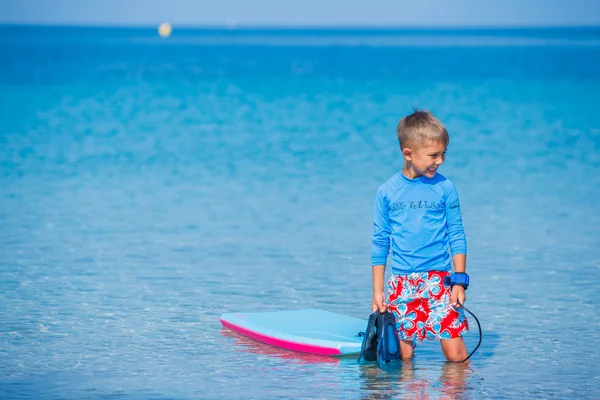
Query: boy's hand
378,302
458,293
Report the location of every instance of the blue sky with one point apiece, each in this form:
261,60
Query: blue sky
304,12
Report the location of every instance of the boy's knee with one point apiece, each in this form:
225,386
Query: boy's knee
455,355
454,349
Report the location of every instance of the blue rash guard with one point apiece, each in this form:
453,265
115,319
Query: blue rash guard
421,217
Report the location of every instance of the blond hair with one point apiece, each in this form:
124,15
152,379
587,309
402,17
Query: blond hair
419,127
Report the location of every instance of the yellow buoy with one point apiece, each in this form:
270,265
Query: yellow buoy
164,29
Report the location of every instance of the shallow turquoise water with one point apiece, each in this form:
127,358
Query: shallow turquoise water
149,186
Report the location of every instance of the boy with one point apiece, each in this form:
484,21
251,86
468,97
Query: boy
417,211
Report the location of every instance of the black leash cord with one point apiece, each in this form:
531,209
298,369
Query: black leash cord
478,325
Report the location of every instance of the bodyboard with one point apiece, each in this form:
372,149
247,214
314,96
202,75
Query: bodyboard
308,330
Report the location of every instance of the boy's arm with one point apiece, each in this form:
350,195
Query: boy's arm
380,249
378,288
454,225
460,262
458,242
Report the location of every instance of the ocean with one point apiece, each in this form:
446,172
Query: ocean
150,185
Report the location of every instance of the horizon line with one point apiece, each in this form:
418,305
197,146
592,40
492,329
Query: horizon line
269,26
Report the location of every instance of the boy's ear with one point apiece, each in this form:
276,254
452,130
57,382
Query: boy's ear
407,153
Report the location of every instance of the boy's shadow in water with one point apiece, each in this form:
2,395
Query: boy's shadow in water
488,347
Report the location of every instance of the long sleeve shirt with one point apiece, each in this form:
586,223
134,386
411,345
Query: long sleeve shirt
420,221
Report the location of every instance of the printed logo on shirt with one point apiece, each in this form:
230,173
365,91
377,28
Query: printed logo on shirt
404,205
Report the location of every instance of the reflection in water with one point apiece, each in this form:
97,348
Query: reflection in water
376,383
453,379
411,382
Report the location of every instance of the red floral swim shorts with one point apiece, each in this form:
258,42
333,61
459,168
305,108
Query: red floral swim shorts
420,303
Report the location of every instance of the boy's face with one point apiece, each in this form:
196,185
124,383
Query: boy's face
425,158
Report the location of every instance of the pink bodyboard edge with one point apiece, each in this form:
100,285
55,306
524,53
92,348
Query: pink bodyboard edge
286,344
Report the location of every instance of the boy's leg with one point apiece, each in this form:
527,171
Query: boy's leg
454,349
406,347
445,320
407,310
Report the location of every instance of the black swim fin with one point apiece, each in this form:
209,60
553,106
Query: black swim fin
368,351
388,342
381,342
